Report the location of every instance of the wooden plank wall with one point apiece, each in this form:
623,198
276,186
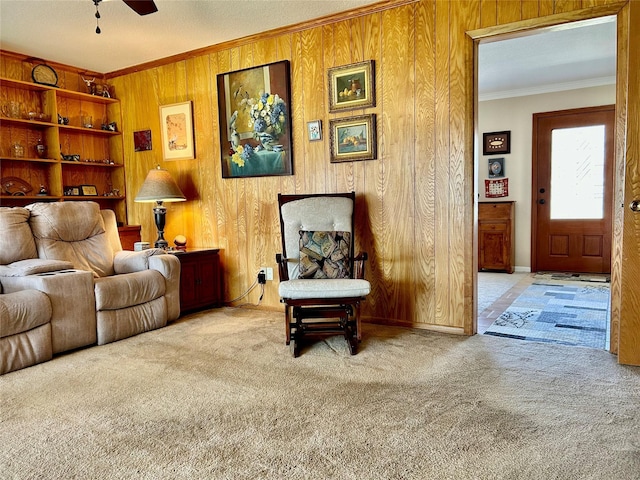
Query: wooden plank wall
416,199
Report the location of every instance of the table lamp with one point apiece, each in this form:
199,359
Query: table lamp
159,187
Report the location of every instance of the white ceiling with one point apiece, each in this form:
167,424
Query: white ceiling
578,55
63,31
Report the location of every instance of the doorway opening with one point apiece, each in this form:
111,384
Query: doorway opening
504,104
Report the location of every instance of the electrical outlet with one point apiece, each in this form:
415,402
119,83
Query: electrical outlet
268,273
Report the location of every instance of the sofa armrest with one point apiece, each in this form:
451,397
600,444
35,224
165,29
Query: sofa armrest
169,267
126,261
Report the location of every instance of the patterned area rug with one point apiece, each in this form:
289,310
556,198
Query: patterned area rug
557,308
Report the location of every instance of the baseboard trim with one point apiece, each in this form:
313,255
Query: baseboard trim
518,269
421,326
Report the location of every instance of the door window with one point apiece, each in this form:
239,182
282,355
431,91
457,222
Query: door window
577,173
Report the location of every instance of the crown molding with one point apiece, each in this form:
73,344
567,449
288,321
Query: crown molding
550,88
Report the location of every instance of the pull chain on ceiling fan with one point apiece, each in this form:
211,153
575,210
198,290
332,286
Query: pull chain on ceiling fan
141,7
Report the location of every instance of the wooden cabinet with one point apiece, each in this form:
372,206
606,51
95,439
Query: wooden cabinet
496,236
200,279
76,155
129,235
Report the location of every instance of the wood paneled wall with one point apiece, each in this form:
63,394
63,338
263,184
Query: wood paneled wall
416,200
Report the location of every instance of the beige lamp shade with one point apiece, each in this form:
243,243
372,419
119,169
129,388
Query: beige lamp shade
159,186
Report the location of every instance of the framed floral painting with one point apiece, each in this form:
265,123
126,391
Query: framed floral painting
254,108
352,86
353,138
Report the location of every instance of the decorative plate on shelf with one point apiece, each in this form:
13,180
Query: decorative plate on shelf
15,186
44,75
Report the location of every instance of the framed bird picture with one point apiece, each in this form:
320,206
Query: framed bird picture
254,108
176,127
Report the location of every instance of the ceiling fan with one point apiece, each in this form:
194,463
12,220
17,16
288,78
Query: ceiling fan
141,7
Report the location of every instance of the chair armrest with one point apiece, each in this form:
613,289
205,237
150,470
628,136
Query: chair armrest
283,271
358,265
126,261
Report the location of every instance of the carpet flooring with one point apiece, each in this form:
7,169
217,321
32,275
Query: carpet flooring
558,308
217,395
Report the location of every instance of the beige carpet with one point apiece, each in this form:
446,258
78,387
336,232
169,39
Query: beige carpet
218,396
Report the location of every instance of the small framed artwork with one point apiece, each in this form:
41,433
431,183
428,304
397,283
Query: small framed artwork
352,86
88,190
496,167
494,143
142,140
353,138
71,191
314,130
254,108
176,126
496,188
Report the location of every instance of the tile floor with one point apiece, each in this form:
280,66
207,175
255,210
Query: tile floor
496,292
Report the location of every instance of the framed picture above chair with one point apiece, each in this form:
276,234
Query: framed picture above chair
254,106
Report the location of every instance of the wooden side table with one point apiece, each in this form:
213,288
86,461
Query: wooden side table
200,278
129,234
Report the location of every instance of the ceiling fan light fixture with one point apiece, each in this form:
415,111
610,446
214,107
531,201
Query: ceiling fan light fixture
96,2
141,7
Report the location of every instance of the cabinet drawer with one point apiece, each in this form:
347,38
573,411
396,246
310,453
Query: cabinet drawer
494,210
493,226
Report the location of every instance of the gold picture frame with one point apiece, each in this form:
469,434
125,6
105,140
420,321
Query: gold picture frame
88,190
353,138
176,127
254,117
352,86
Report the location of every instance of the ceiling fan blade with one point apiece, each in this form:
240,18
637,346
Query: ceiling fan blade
142,7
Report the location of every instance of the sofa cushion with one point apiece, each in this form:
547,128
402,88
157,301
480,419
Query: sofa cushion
72,231
25,349
33,266
23,311
128,289
324,288
118,324
16,241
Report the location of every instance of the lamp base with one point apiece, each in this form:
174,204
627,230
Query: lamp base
159,213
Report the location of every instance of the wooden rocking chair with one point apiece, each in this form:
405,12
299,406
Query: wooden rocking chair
321,281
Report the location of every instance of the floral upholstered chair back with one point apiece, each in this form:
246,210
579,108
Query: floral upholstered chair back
317,237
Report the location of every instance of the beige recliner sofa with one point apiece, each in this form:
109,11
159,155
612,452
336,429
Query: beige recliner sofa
99,293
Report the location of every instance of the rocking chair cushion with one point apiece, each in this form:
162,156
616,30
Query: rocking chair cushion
324,254
324,288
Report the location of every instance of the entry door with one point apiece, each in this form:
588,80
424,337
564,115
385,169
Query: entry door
573,190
